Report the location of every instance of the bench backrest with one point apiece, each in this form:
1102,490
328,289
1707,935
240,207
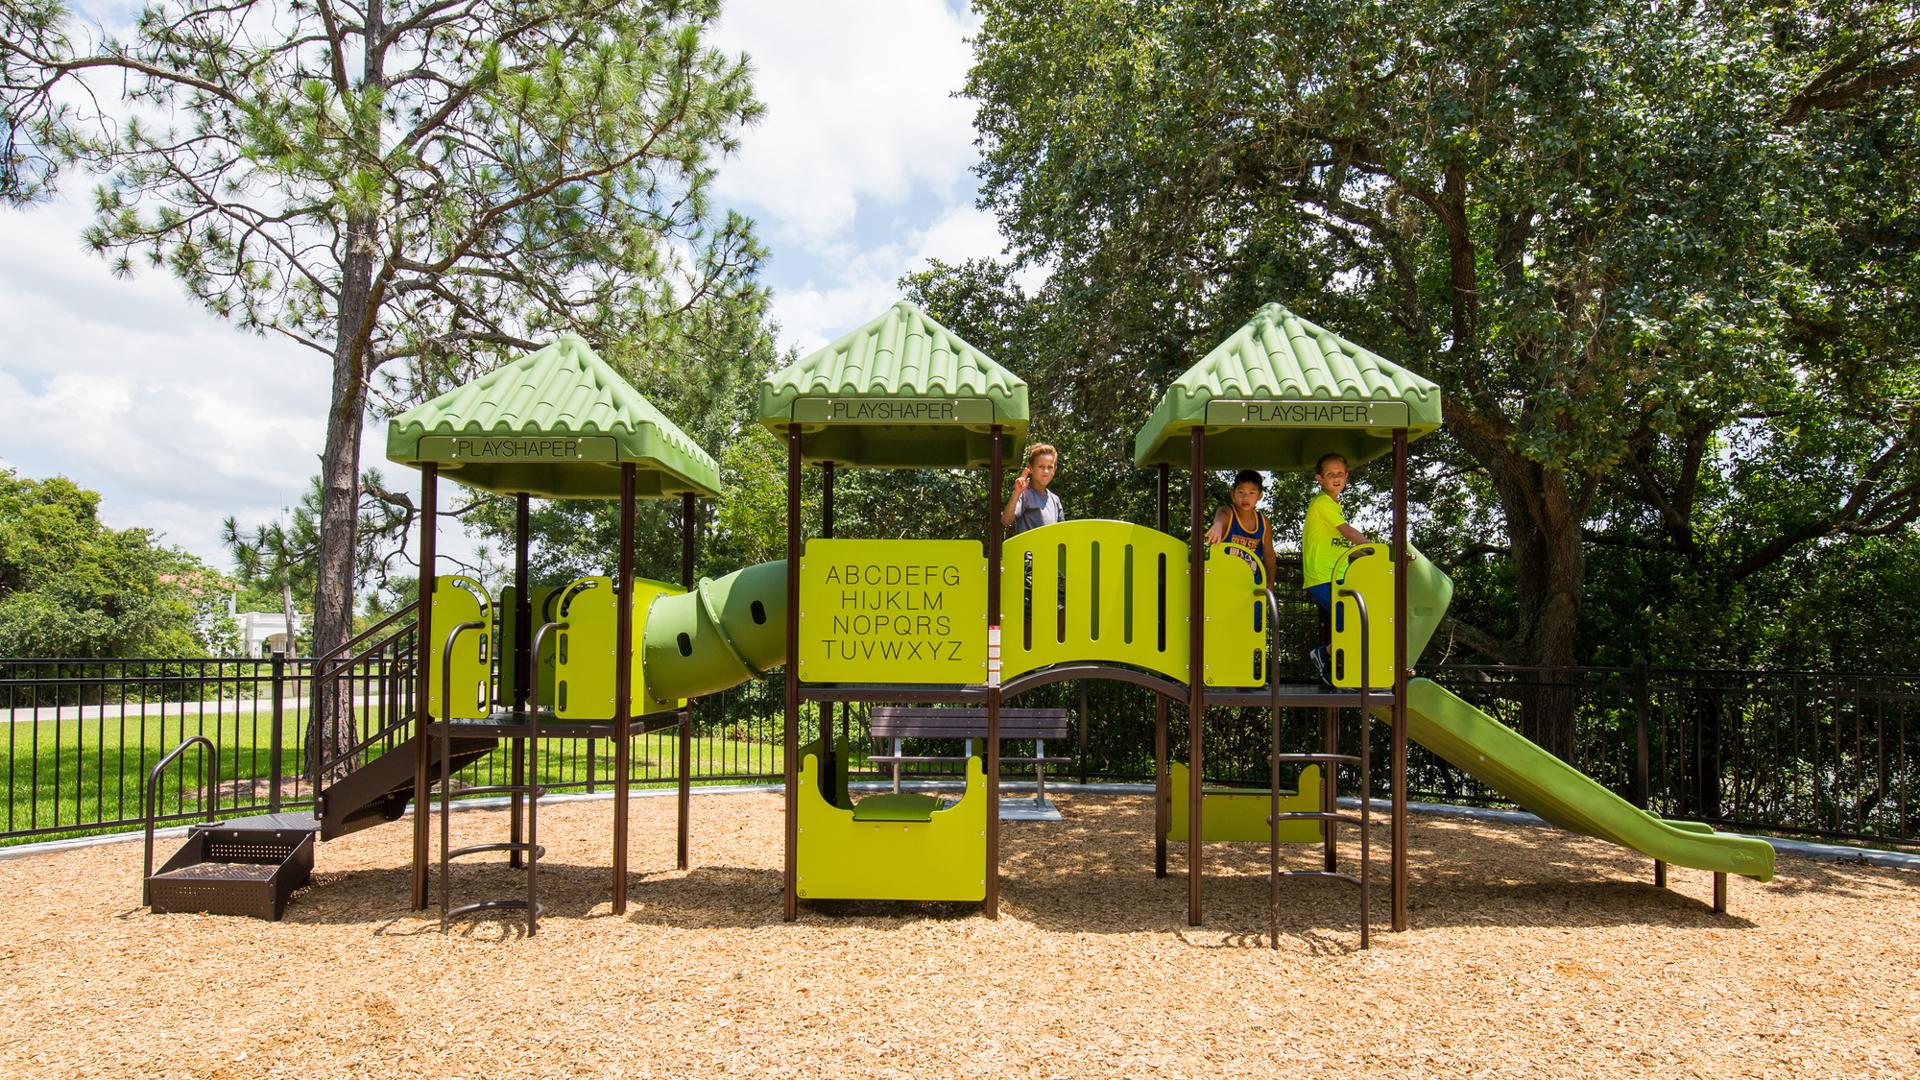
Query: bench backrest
968,722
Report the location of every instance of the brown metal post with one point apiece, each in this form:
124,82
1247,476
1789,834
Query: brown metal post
429,523
1400,658
1162,812
522,604
995,466
1196,682
1719,892
1083,733
684,798
1329,837
790,906
826,532
623,689
522,616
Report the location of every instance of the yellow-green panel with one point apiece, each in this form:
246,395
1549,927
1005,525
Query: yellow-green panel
1103,580
1236,606
645,592
838,858
893,611
586,667
1241,813
544,598
584,651
1371,574
458,600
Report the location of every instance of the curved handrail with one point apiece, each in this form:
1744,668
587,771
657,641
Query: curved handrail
446,665
209,774
446,752
533,781
1047,676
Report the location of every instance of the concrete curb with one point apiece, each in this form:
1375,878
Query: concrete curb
1840,853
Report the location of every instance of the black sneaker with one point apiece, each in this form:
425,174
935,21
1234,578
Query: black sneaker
1319,658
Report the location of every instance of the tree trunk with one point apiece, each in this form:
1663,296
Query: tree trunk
286,607
1550,572
332,727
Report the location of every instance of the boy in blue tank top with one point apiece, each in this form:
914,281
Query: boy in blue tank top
1243,525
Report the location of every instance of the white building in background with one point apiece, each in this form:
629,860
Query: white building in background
263,632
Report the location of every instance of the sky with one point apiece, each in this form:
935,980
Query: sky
859,173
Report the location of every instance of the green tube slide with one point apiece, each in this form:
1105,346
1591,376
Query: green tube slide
721,633
1509,763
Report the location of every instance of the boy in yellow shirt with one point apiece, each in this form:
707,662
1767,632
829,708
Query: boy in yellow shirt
1325,539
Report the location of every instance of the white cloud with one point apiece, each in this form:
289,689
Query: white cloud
859,284
179,420
860,106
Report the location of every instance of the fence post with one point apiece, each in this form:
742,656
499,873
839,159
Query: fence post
1083,730
279,687
1643,743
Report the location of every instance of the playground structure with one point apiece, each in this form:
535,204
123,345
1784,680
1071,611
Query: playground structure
944,621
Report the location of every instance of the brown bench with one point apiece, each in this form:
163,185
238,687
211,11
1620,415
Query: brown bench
894,724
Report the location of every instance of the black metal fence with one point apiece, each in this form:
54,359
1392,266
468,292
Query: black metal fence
1808,753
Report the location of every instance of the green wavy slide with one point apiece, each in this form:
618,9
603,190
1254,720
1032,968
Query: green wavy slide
1507,762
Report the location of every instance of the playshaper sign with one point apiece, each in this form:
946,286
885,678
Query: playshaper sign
893,611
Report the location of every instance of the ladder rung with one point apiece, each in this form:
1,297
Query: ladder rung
1335,874
1318,815
539,850
494,905
1329,759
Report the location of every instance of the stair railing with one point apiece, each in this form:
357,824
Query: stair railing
209,775
393,658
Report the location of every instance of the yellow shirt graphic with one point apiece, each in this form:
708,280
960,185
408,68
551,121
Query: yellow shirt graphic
1322,545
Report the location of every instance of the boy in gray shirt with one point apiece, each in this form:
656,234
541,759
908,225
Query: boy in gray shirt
1032,505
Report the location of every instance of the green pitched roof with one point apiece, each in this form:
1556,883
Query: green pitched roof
900,392
1281,392
556,423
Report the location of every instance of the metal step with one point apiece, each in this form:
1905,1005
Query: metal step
234,871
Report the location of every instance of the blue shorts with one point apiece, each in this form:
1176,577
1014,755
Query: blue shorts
1322,596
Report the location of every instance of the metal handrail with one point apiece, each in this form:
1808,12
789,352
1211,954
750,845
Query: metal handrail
209,775
1364,880
446,753
532,788
364,635
324,673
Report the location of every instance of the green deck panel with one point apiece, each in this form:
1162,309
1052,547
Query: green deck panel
901,391
557,424
1235,651
1370,575
585,672
839,858
1278,357
1123,627
457,600
1507,762
1240,814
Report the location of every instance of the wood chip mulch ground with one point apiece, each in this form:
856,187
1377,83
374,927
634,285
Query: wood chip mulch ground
1533,953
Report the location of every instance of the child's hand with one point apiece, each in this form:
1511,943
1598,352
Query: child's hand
1216,534
1021,483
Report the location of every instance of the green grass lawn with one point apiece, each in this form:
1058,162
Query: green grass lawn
83,776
